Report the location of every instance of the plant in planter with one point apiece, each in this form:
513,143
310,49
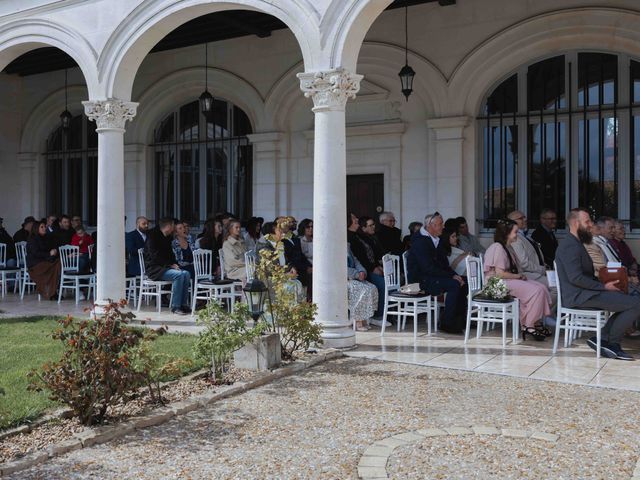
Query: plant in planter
293,321
224,334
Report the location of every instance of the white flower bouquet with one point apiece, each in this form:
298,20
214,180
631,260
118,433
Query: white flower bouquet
496,289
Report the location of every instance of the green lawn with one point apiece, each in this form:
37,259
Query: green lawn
25,343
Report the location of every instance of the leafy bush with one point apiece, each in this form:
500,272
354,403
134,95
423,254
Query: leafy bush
224,334
292,320
95,370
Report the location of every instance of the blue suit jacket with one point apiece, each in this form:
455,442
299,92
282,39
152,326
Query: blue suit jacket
132,242
426,262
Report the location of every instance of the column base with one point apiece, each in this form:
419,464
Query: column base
338,336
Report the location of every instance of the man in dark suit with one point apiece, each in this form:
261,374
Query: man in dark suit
427,264
546,237
388,235
580,289
133,241
160,264
63,235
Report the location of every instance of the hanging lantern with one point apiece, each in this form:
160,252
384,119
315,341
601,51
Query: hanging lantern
65,117
406,73
206,99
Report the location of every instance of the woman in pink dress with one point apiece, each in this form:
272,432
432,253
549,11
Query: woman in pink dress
501,261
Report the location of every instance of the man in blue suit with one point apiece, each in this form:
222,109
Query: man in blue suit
135,240
427,264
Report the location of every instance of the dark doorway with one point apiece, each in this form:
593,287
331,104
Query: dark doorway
365,195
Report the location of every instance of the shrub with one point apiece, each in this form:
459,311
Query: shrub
292,320
224,334
95,370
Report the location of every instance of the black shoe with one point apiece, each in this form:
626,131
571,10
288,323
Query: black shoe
620,354
179,311
605,348
185,308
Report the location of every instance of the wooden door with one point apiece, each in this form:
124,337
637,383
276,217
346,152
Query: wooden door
365,195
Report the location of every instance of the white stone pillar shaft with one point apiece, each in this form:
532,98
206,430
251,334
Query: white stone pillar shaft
330,91
110,117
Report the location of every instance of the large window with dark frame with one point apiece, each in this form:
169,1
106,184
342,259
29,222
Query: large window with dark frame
203,165
71,159
564,132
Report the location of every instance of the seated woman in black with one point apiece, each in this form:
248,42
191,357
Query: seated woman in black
43,262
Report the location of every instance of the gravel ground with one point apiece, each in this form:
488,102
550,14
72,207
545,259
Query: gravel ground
318,424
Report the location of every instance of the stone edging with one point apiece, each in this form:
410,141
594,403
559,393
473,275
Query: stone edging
373,463
95,436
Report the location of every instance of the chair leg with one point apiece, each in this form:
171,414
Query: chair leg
384,316
467,329
598,337
415,319
60,289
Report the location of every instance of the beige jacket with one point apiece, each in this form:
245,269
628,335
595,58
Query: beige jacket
529,261
234,266
597,256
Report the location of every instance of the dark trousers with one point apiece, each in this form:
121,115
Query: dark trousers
455,302
626,308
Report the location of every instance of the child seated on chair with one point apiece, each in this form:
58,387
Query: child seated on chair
82,240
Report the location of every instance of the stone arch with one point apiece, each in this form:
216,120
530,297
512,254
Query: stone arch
21,36
599,29
153,19
185,85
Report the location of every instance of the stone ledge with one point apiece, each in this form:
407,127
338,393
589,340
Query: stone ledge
106,433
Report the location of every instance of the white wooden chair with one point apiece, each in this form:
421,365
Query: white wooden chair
6,272
433,309
223,276
25,280
250,264
70,276
574,320
204,287
152,288
482,311
398,304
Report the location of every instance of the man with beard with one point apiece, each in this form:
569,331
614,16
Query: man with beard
134,240
580,289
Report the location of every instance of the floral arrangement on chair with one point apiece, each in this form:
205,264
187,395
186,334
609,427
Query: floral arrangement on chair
495,289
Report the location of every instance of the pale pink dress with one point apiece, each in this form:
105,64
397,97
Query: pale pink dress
533,296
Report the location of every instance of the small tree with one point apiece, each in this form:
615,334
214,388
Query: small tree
293,320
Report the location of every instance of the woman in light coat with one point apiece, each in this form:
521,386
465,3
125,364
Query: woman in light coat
233,250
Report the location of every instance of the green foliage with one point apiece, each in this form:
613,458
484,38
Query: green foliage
224,334
292,320
95,370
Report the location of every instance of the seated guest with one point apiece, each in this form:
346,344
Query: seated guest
24,233
64,233
293,254
160,264
305,234
369,252
352,227
413,228
10,253
212,240
183,248
133,241
233,250
253,233
388,235
427,264
623,250
76,221
581,290
595,252
43,262
273,242
451,224
52,223
455,255
501,261
605,227
362,296
528,253
546,237
82,240
467,241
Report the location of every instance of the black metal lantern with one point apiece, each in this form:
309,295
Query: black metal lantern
65,117
255,293
206,99
407,73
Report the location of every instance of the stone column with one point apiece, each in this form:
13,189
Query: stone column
267,175
330,91
110,116
30,201
450,172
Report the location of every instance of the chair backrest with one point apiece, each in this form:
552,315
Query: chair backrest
475,274
221,257
141,262
391,270
21,254
405,256
250,262
559,305
91,247
3,254
69,257
203,264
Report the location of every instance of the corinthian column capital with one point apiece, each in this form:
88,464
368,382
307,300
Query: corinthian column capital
110,114
330,89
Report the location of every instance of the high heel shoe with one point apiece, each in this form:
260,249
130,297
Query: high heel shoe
537,335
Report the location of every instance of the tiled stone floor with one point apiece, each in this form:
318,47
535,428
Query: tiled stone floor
529,359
